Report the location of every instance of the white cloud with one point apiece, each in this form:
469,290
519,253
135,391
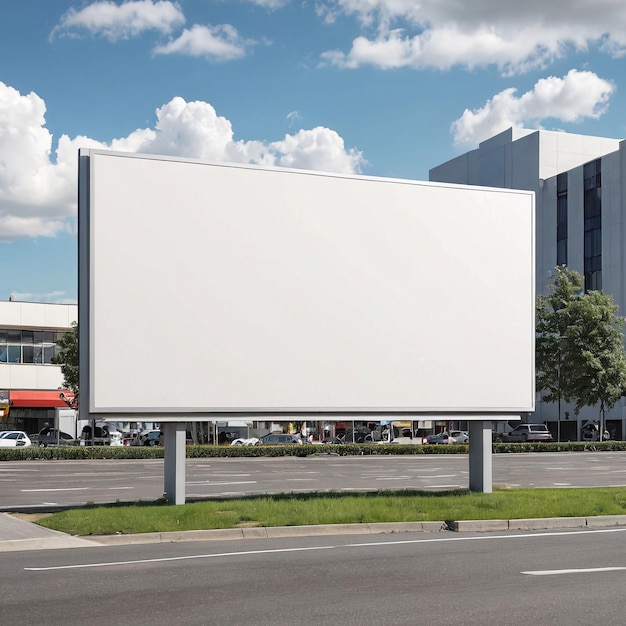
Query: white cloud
270,4
576,96
218,42
121,21
514,36
38,193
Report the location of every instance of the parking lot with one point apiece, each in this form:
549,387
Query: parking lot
36,484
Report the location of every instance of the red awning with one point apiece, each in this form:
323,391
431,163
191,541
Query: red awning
39,399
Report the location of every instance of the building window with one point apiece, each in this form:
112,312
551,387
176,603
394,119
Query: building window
28,346
592,181
561,219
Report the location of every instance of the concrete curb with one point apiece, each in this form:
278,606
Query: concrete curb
270,532
364,529
549,523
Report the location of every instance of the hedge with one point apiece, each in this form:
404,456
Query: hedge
156,452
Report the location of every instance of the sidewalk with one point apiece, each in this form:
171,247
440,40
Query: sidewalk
18,534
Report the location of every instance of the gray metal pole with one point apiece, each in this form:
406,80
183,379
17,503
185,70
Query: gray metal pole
174,466
480,463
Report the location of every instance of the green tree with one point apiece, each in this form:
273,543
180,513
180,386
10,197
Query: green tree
552,323
67,358
595,343
580,354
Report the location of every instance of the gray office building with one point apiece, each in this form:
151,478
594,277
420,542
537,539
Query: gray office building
579,184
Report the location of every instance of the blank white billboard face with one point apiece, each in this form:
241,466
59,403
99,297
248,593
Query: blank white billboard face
219,289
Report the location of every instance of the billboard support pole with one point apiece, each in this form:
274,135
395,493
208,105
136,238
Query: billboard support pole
480,462
174,467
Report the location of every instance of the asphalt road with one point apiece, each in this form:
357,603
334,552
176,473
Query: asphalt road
567,577
36,484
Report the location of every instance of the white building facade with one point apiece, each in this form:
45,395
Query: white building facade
30,383
579,184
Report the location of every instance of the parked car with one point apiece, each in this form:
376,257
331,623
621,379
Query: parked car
14,439
273,439
439,438
528,432
105,435
591,432
245,441
53,437
458,436
148,438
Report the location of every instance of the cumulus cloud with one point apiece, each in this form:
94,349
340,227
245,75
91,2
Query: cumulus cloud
270,4
575,96
121,21
38,184
217,42
441,34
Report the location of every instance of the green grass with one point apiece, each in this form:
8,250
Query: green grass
310,509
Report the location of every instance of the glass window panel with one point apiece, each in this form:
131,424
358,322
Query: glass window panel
48,354
28,354
14,354
37,354
561,252
14,336
3,335
38,336
48,336
28,336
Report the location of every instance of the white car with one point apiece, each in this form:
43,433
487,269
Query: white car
250,441
458,436
14,439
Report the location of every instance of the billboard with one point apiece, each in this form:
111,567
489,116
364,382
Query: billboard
212,289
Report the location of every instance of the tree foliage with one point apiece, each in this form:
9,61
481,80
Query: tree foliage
580,354
597,374
68,358
552,321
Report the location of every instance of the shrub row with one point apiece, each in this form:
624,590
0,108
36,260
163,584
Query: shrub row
138,452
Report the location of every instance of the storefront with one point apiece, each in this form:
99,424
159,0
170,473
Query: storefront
31,410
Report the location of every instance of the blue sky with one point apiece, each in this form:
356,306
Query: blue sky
375,87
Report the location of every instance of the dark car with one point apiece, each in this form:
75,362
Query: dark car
439,438
274,439
53,437
152,437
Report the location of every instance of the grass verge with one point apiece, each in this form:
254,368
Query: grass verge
310,509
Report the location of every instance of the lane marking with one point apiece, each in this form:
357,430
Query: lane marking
174,558
589,570
59,489
314,548
212,482
489,537
442,487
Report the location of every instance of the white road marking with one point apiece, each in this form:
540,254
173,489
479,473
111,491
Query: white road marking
488,537
59,489
331,547
590,570
211,483
562,484
441,487
173,558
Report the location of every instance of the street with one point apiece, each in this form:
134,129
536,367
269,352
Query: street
565,577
